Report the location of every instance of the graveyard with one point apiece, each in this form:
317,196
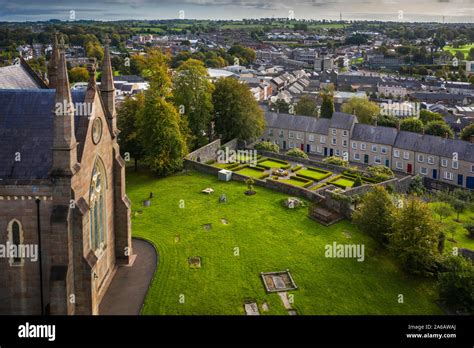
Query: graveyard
227,253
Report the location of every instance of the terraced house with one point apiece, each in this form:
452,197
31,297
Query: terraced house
439,158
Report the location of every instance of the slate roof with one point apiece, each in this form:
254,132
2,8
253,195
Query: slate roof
129,78
26,127
435,145
297,123
16,77
372,134
342,120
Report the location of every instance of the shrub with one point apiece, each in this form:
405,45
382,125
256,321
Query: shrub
295,152
352,170
456,284
337,161
296,168
416,186
357,181
264,176
470,229
267,146
380,172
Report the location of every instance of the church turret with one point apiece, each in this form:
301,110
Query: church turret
64,143
53,64
107,89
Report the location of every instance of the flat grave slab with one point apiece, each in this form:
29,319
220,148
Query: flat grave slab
278,281
251,308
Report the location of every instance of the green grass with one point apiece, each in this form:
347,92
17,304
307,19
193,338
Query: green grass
464,49
273,164
300,182
455,229
342,181
314,174
251,172
270,238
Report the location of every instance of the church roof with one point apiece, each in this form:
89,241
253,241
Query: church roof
17,77
26,129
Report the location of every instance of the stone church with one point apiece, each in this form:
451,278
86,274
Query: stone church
64,213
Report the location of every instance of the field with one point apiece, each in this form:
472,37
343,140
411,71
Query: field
253,234
464,49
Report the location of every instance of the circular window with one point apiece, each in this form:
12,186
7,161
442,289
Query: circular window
96,130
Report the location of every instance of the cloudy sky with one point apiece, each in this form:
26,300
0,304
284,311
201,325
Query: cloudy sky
409,10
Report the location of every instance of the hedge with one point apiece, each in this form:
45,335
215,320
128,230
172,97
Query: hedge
296,168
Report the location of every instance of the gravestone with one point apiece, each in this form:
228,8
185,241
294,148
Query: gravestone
147,203
223,198
251,309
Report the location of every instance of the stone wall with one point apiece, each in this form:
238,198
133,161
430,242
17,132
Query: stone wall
205,153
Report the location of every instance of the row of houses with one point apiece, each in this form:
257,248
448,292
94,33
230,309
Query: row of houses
439,158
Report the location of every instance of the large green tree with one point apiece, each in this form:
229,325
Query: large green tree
411,124
306,106
365,110
327,104
467,132
193,98
128,121
414,237
439,128
237,113
162,130
428,116
374,215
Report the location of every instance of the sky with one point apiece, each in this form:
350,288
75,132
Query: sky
107,10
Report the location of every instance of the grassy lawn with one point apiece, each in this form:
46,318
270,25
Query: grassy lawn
294,182
251,172
314,174
455,230
272,164
464,49
269,238
342,181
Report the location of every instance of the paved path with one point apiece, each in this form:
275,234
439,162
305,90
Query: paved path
128,289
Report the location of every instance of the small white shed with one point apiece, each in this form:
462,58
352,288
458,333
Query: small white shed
225,175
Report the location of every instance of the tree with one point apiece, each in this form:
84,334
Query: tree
306,106
327,105
192,95
416,186
128,121
428,116
267,146
388,121
459,206
365,110
244,54
94,50
162,131
443,210
411,124
78,74
374,215
337,161
439,128
456,283
471,54
281,106
467,132
295,152
237,114
414,237
380,172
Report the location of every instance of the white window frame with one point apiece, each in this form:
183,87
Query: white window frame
333,141
448,176
345,133
377,160
311,138
344,142
399,165
430,159
421,158
363,146
291,134
322,139
444,163
354,145
373,148
356,157
333,132
406,155
396,153
423,170
383,150
455,164
299,136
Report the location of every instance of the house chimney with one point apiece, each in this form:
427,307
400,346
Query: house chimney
107,89
64,141
53,63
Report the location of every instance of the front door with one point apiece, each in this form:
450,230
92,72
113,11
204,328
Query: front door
325,152
366,159
331,152
460,180
470,182
409,168
284,145
308,148
302,147
387,163
435,174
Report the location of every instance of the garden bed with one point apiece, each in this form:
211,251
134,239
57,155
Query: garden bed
269,163
296,181
342,181
315,174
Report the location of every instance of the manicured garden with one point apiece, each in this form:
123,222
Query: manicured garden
342,181
247,235
314,174
273,163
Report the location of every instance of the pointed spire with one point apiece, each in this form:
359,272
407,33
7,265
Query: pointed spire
53,63
64,142
107,89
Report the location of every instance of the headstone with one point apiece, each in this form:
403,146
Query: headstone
279,282
223,199
251,309
265,307
147,203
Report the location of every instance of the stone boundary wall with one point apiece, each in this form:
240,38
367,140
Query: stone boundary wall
205,153
433,184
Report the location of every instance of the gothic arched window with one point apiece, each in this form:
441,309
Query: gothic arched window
15,237
97,206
